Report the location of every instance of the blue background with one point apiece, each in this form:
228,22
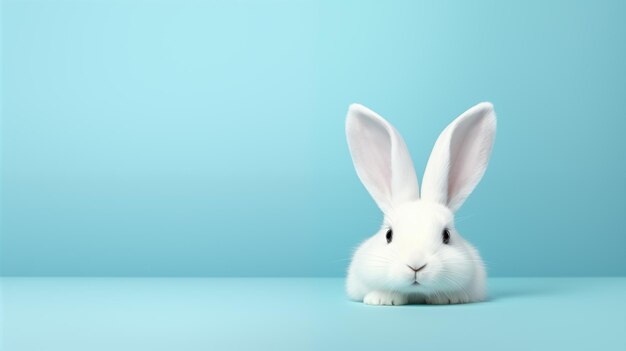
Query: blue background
189,138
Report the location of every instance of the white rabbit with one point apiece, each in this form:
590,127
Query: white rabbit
418,256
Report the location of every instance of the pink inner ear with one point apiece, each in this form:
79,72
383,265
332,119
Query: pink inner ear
469,153
374,155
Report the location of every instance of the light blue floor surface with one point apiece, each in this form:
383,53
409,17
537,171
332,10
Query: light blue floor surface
90,314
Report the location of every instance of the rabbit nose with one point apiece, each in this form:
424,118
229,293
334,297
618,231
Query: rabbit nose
416,269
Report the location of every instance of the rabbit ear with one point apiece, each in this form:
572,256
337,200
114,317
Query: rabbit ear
381,158
460,156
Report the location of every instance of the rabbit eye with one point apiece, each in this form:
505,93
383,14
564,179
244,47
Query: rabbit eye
446,235
389,235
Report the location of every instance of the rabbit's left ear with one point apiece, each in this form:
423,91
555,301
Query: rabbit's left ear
381,158
460,156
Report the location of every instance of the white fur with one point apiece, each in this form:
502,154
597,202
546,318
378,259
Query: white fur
379,273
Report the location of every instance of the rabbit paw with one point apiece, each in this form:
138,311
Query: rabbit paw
441,299
385,298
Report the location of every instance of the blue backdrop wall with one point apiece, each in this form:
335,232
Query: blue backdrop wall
207,137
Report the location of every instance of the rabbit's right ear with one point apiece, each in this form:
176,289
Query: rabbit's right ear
460,157
381,158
